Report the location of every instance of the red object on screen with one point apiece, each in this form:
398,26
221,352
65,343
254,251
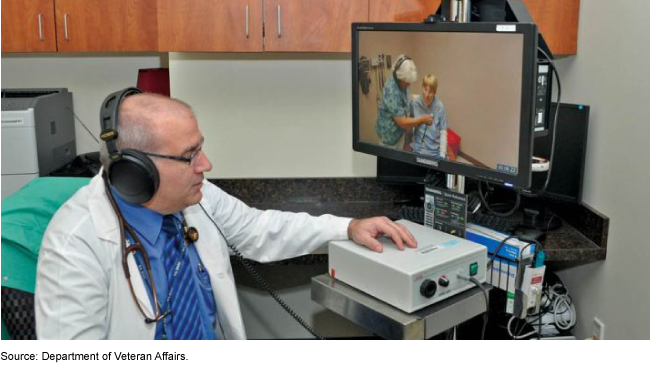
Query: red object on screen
154,80
453,141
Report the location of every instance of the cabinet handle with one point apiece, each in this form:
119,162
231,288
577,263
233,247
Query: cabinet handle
279,21
65,26
247,23
40,26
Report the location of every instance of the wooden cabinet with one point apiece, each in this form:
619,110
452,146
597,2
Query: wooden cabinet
258,25
558,22
311,25
557,19
106,25
28,26
231,25
210,25
402,10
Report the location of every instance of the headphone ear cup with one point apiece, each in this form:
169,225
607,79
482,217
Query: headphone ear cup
134,176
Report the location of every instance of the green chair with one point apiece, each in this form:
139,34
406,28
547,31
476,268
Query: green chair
25,216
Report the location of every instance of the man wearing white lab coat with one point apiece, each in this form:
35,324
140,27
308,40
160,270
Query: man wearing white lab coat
81,288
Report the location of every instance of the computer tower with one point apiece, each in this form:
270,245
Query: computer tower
568,163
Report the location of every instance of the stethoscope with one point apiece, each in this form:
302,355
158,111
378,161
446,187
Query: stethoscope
190,234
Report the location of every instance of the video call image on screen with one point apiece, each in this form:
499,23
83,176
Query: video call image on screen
477,101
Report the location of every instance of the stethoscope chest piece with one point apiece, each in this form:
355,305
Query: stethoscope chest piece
191,234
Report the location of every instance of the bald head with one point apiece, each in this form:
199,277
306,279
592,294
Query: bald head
142,119
151,107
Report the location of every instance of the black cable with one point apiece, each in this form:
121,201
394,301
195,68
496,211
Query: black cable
487,305
548,225
538,247
262,283
539,329
492,211
557,112
503,241
84,125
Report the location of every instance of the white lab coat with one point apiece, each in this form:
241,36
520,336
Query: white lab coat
82,291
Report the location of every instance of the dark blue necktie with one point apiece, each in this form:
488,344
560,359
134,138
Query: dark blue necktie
183,298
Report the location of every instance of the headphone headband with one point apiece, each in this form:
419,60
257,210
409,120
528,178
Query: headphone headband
108,117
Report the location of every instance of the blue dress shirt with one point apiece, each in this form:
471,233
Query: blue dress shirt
147,224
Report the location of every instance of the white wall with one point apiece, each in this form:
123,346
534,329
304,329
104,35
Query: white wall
610,73
90,78
272,115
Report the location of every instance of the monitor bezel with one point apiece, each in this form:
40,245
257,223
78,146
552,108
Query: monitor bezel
529,71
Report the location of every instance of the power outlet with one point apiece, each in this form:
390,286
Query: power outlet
599,329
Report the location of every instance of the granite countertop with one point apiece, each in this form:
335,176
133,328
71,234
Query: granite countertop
582,238
564,244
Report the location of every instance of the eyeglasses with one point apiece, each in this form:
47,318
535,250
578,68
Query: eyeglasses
190,160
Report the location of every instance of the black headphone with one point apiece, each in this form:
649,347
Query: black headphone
130,172
398,64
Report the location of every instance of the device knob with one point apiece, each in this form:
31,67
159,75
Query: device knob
443,281
428,288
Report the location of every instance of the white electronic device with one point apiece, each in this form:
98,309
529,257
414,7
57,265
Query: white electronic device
540,164
414,278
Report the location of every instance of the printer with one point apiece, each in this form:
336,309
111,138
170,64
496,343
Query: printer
38,134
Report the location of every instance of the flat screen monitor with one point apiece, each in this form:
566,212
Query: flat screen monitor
483,104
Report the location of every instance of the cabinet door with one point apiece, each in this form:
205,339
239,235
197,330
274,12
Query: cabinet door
106,25
558,22
311,25
402,10
210,25
28,26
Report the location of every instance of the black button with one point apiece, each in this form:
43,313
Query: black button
428,288
443,281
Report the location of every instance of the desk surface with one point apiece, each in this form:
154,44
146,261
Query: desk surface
389,322
581,239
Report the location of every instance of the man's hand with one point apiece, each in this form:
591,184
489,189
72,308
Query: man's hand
366,231
426,119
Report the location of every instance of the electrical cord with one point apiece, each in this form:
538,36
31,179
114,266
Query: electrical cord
541,191
515,335
556,302
548,225
261,282
503,241
555,119
492,211
84,125
562,301
487,300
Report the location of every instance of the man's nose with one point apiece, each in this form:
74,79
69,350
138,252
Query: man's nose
203,163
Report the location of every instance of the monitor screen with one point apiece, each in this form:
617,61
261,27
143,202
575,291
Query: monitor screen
456,97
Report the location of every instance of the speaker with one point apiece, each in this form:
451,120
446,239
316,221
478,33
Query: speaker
131,173
568,164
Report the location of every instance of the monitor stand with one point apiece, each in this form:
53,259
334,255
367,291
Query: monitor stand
456,183
534,215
